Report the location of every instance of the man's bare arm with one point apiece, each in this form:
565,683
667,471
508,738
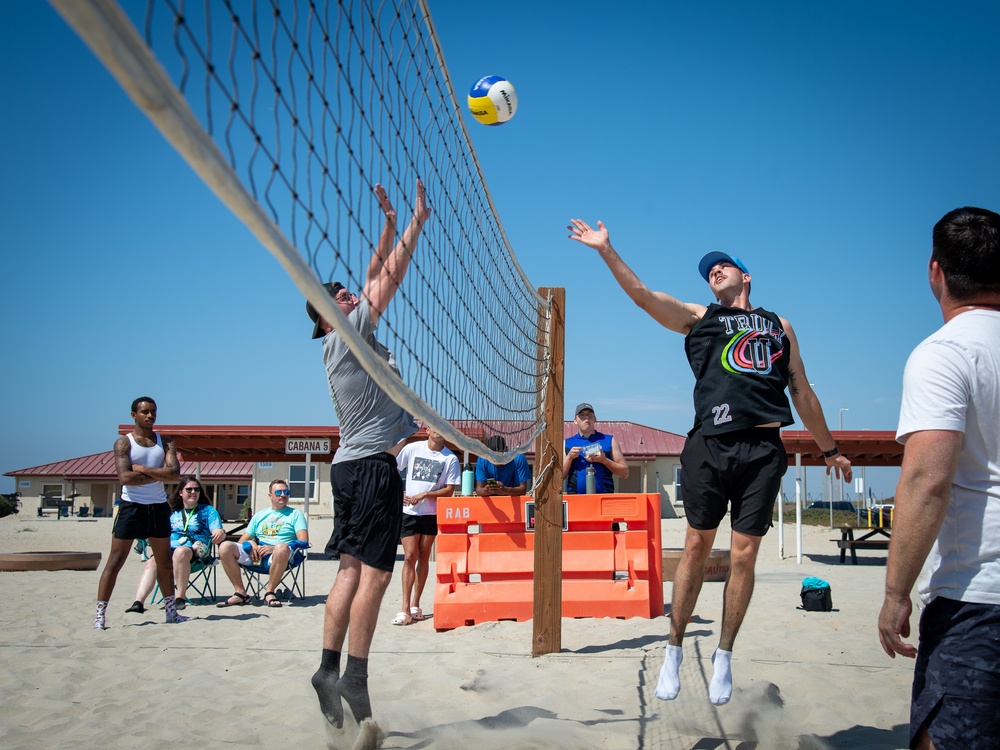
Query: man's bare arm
616,464
380,288
669,312
384,246
809,409
123,464
171,469
922,495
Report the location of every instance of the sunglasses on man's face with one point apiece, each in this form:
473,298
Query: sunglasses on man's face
345,297
279,493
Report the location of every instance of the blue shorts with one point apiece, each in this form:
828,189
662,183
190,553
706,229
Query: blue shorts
956,681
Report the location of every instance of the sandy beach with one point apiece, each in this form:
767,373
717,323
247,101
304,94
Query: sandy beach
240,676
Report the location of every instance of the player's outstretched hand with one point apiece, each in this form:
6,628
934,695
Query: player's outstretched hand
581,232
385,203
421,211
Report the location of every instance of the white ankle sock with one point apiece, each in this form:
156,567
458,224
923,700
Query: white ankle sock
669,684
720,689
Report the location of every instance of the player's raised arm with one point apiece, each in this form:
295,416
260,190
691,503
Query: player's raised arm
810,410
381,286
666,310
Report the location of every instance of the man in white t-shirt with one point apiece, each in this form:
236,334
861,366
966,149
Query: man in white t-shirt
432,471
947,516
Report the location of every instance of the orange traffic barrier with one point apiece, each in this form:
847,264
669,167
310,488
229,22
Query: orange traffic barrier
611,562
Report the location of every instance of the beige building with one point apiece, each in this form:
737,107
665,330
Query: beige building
236,465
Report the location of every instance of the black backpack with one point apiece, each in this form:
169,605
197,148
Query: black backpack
816,596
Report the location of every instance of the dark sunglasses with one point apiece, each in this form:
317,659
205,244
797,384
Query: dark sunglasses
191,489
279,493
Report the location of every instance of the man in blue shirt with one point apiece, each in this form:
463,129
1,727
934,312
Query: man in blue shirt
591,448
512,478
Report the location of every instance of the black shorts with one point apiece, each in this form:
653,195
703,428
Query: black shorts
140,521
367,509
743,467
424,525
956,683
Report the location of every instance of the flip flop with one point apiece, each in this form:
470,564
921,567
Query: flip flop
241,600
273,601
180,602
402,619
136,607
416,613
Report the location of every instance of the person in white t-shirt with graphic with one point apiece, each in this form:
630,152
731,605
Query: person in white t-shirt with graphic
431,471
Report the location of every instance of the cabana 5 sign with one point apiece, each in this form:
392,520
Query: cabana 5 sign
307,445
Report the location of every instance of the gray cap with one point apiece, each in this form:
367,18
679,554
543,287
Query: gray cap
581,407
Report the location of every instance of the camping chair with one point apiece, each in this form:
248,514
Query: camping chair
255,576
202,579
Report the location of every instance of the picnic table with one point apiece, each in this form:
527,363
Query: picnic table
876,538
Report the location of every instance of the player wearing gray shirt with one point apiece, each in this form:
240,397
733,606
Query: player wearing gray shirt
367,488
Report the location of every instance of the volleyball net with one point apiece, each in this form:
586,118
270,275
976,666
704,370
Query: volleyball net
292,112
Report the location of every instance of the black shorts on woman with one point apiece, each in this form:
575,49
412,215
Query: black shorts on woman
743,468
368,509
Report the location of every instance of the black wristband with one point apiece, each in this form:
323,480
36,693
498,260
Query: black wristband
832,452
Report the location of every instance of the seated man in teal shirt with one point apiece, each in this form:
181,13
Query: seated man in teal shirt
268,541
512,478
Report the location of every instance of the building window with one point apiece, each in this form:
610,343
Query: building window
297,481
242,493
52,495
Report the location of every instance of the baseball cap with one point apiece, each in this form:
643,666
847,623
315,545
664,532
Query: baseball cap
581,407
332,288
710,259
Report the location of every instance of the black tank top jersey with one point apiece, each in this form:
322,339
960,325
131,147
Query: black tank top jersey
740,365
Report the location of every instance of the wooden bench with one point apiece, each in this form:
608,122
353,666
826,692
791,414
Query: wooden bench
848,542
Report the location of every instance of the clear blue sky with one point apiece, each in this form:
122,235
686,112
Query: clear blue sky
819,142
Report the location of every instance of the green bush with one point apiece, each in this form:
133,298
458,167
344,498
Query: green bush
6,509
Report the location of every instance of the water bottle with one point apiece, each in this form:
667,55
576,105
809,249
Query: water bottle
591,480
468,480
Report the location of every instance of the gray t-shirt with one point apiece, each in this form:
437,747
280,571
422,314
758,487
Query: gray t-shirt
370,421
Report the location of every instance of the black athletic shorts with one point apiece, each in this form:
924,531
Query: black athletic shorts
140,521
743,468
367,509
425,525
956,683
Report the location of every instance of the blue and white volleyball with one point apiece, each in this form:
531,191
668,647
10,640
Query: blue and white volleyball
492,100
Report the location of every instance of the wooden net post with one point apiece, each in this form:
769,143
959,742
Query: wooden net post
547,622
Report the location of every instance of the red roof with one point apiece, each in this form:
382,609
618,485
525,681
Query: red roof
208,443
102,466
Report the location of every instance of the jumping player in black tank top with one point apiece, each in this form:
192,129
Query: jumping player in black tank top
743,359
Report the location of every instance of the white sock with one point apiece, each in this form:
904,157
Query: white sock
669,684
720,689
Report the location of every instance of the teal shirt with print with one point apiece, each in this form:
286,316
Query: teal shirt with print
277,526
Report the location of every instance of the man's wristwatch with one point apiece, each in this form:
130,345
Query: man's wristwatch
832,452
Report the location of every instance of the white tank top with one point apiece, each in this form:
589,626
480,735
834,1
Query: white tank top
154,457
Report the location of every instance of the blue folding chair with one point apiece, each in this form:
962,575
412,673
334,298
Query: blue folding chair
203,574
256,576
